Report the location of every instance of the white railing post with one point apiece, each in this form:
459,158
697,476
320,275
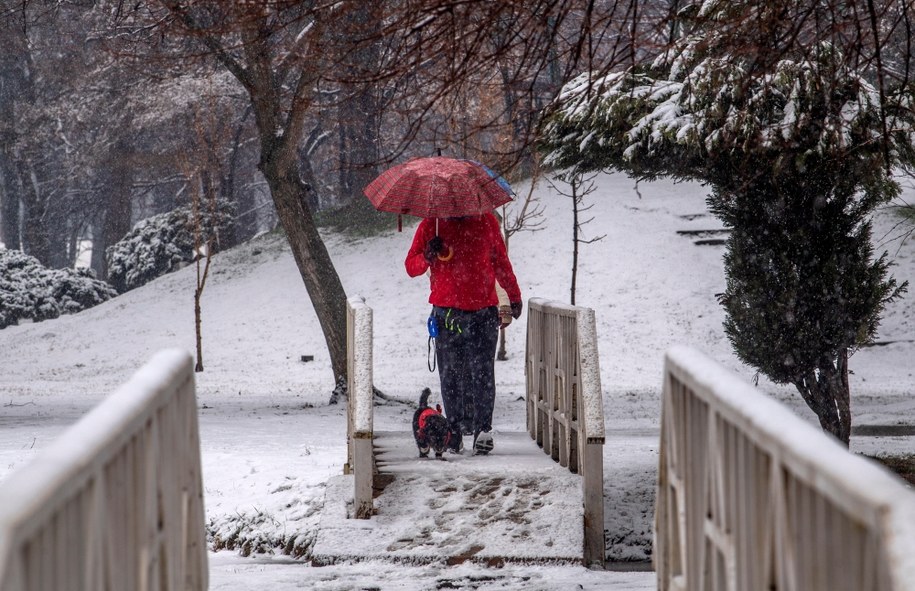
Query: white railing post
592,435
565,404
359,385
750,496
116,502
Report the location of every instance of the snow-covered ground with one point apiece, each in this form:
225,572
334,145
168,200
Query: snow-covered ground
271,442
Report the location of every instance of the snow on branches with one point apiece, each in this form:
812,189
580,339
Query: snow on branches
698,107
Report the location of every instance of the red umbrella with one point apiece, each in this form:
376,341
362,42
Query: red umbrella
437,187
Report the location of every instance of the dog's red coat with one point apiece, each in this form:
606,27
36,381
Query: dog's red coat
424,416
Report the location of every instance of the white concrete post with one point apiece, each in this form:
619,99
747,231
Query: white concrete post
360,428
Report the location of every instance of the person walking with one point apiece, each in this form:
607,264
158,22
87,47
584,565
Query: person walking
465,257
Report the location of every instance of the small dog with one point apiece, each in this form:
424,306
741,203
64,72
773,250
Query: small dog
430,428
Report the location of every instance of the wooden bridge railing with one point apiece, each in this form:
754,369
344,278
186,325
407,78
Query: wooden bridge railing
116,502
565,413
360,460
750,496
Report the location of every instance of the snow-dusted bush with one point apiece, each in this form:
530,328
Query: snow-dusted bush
32,291
163,243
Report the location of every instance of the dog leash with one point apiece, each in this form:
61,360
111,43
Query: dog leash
430,345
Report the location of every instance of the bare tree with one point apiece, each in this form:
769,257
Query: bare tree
272,49
428,51
203,165
203,248
579,187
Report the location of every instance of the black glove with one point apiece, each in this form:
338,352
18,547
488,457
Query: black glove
516,309
433,248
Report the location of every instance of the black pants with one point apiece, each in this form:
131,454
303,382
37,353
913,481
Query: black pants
465,351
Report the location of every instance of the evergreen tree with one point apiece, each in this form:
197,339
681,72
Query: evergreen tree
797,145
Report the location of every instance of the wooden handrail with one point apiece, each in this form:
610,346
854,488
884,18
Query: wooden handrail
565,405
116,502
750,496
359,421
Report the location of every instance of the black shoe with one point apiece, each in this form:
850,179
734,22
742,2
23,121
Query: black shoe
455,443
482,443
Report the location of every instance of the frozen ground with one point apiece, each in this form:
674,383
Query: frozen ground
271,442
229,572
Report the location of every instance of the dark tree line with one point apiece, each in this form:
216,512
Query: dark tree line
311,99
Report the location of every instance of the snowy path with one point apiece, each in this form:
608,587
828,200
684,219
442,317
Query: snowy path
513,505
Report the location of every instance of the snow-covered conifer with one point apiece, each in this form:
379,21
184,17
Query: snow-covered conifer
798,146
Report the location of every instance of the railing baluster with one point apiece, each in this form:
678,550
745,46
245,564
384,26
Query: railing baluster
564,402
790,508
85,513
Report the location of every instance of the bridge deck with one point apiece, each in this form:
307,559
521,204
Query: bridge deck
516,504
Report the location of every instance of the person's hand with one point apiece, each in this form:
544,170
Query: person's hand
516,309
433,248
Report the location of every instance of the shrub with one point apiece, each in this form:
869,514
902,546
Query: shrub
32,291
162,244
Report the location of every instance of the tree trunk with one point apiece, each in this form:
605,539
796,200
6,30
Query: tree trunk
827,393
309,182
502,352
198,367
198,291
575,183
315,265
511,106
57,231
34,234
358,114
44,226
244,225
97,261
15,85
72,251
116,222
9,201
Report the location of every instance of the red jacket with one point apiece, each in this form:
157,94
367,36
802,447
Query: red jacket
465,275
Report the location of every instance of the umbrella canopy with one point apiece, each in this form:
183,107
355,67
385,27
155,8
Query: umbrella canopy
502,182
438,187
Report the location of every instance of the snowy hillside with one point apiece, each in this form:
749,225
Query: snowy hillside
270,441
